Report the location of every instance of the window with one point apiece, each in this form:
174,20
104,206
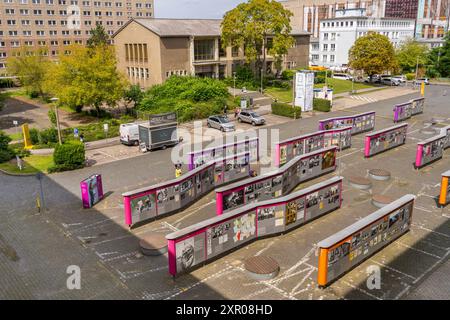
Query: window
333,36
24,12
325,47
204,50
324,58
325,36
25,22
315,47
332,58
9,11
333,47
315,57
235,52
27,33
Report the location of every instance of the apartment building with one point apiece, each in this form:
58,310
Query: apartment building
433,21
55,24
151,50
338,35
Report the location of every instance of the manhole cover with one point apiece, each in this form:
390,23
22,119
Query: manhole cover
153,244
360,183
262,267
379,174
380,200
428,122
428,131
438,120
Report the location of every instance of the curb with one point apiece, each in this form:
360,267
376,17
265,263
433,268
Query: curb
18,174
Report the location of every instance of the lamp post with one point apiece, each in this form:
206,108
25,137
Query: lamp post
262,71
54,100
234,84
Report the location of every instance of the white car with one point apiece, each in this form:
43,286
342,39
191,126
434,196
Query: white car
400,79
342,76
129,134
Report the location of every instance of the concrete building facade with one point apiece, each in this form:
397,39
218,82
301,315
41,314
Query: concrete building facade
53,25
151,50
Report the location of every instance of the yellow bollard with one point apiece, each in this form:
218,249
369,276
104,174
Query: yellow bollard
422,89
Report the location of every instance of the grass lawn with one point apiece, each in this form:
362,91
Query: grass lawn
32,164
16,136
338,85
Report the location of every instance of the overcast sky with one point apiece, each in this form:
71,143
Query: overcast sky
194,9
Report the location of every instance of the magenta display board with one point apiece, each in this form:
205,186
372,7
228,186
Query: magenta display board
385,139
408,109
197,244
432,149
359,122
91,190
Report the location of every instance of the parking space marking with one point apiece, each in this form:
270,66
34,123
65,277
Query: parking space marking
393,269
418,250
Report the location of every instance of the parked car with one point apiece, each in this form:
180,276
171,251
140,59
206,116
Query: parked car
129,134
400,79
375,79
342,76
251,117
420,80
390,81
220,122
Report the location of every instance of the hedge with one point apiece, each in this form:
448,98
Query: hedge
323,105
68,156
286,110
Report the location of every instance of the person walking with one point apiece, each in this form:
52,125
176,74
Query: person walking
236,112
178,171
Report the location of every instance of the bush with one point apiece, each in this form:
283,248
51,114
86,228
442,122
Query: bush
48,136
6,155
4,141
68,156
323,105
33,94
286,110
34,135
22,153
410,76
288,74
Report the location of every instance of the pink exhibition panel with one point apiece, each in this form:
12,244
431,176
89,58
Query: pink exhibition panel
288,149
276,183
432,149
171,196
91,190
200,243
359,122
382,140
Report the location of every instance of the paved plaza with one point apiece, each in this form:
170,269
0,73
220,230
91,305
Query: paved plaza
37,248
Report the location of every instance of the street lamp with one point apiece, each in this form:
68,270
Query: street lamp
54,100
234,84
262,71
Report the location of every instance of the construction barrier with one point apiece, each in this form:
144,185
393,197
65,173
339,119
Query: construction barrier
276,183
382,140
171,196
288,149
197,158
432,149
360,122
349,247
201,242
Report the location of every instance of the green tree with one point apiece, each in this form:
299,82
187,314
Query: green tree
439,58
257,26
373,54
411,53
31,67
99,37
87,77
134,95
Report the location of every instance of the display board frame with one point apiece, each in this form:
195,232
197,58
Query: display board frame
200,243
287,149
360,123
91,190
276,183
171,196
385,139
348,248
196,158
408,109
432,149
444,195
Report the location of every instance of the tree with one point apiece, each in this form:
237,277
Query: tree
30,66
134,95
99,37
411,53
373,54
251,24
87,77
439,58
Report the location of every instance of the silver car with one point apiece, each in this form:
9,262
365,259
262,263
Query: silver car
251,117
220,122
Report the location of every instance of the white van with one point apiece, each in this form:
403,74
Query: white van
129,134
342,76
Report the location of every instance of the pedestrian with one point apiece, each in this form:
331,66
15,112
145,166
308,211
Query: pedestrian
236,112
178,171
225,110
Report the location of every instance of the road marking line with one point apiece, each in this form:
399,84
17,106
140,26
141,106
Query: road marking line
418,250
429,230
423,209
361,290
395,270
171,227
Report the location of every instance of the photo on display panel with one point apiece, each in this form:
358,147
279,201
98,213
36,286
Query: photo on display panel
244,227
185,253
233,200
328,159
266,213
143,204
291,212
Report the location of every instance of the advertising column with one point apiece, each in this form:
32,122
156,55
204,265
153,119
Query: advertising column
304,90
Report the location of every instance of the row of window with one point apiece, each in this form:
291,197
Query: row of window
176,73
136,52
43,43
138,73
53,53
367,23
315,58
107,4
12,22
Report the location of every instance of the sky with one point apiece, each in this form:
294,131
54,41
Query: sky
194,9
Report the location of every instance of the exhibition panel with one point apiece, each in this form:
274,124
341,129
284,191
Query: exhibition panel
382,140
203,156
287,149
276,183
349,247
444,196
406,110
360,122
433,148
203,241
91,190
173,195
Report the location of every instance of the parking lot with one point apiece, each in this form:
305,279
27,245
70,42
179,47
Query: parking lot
108,253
